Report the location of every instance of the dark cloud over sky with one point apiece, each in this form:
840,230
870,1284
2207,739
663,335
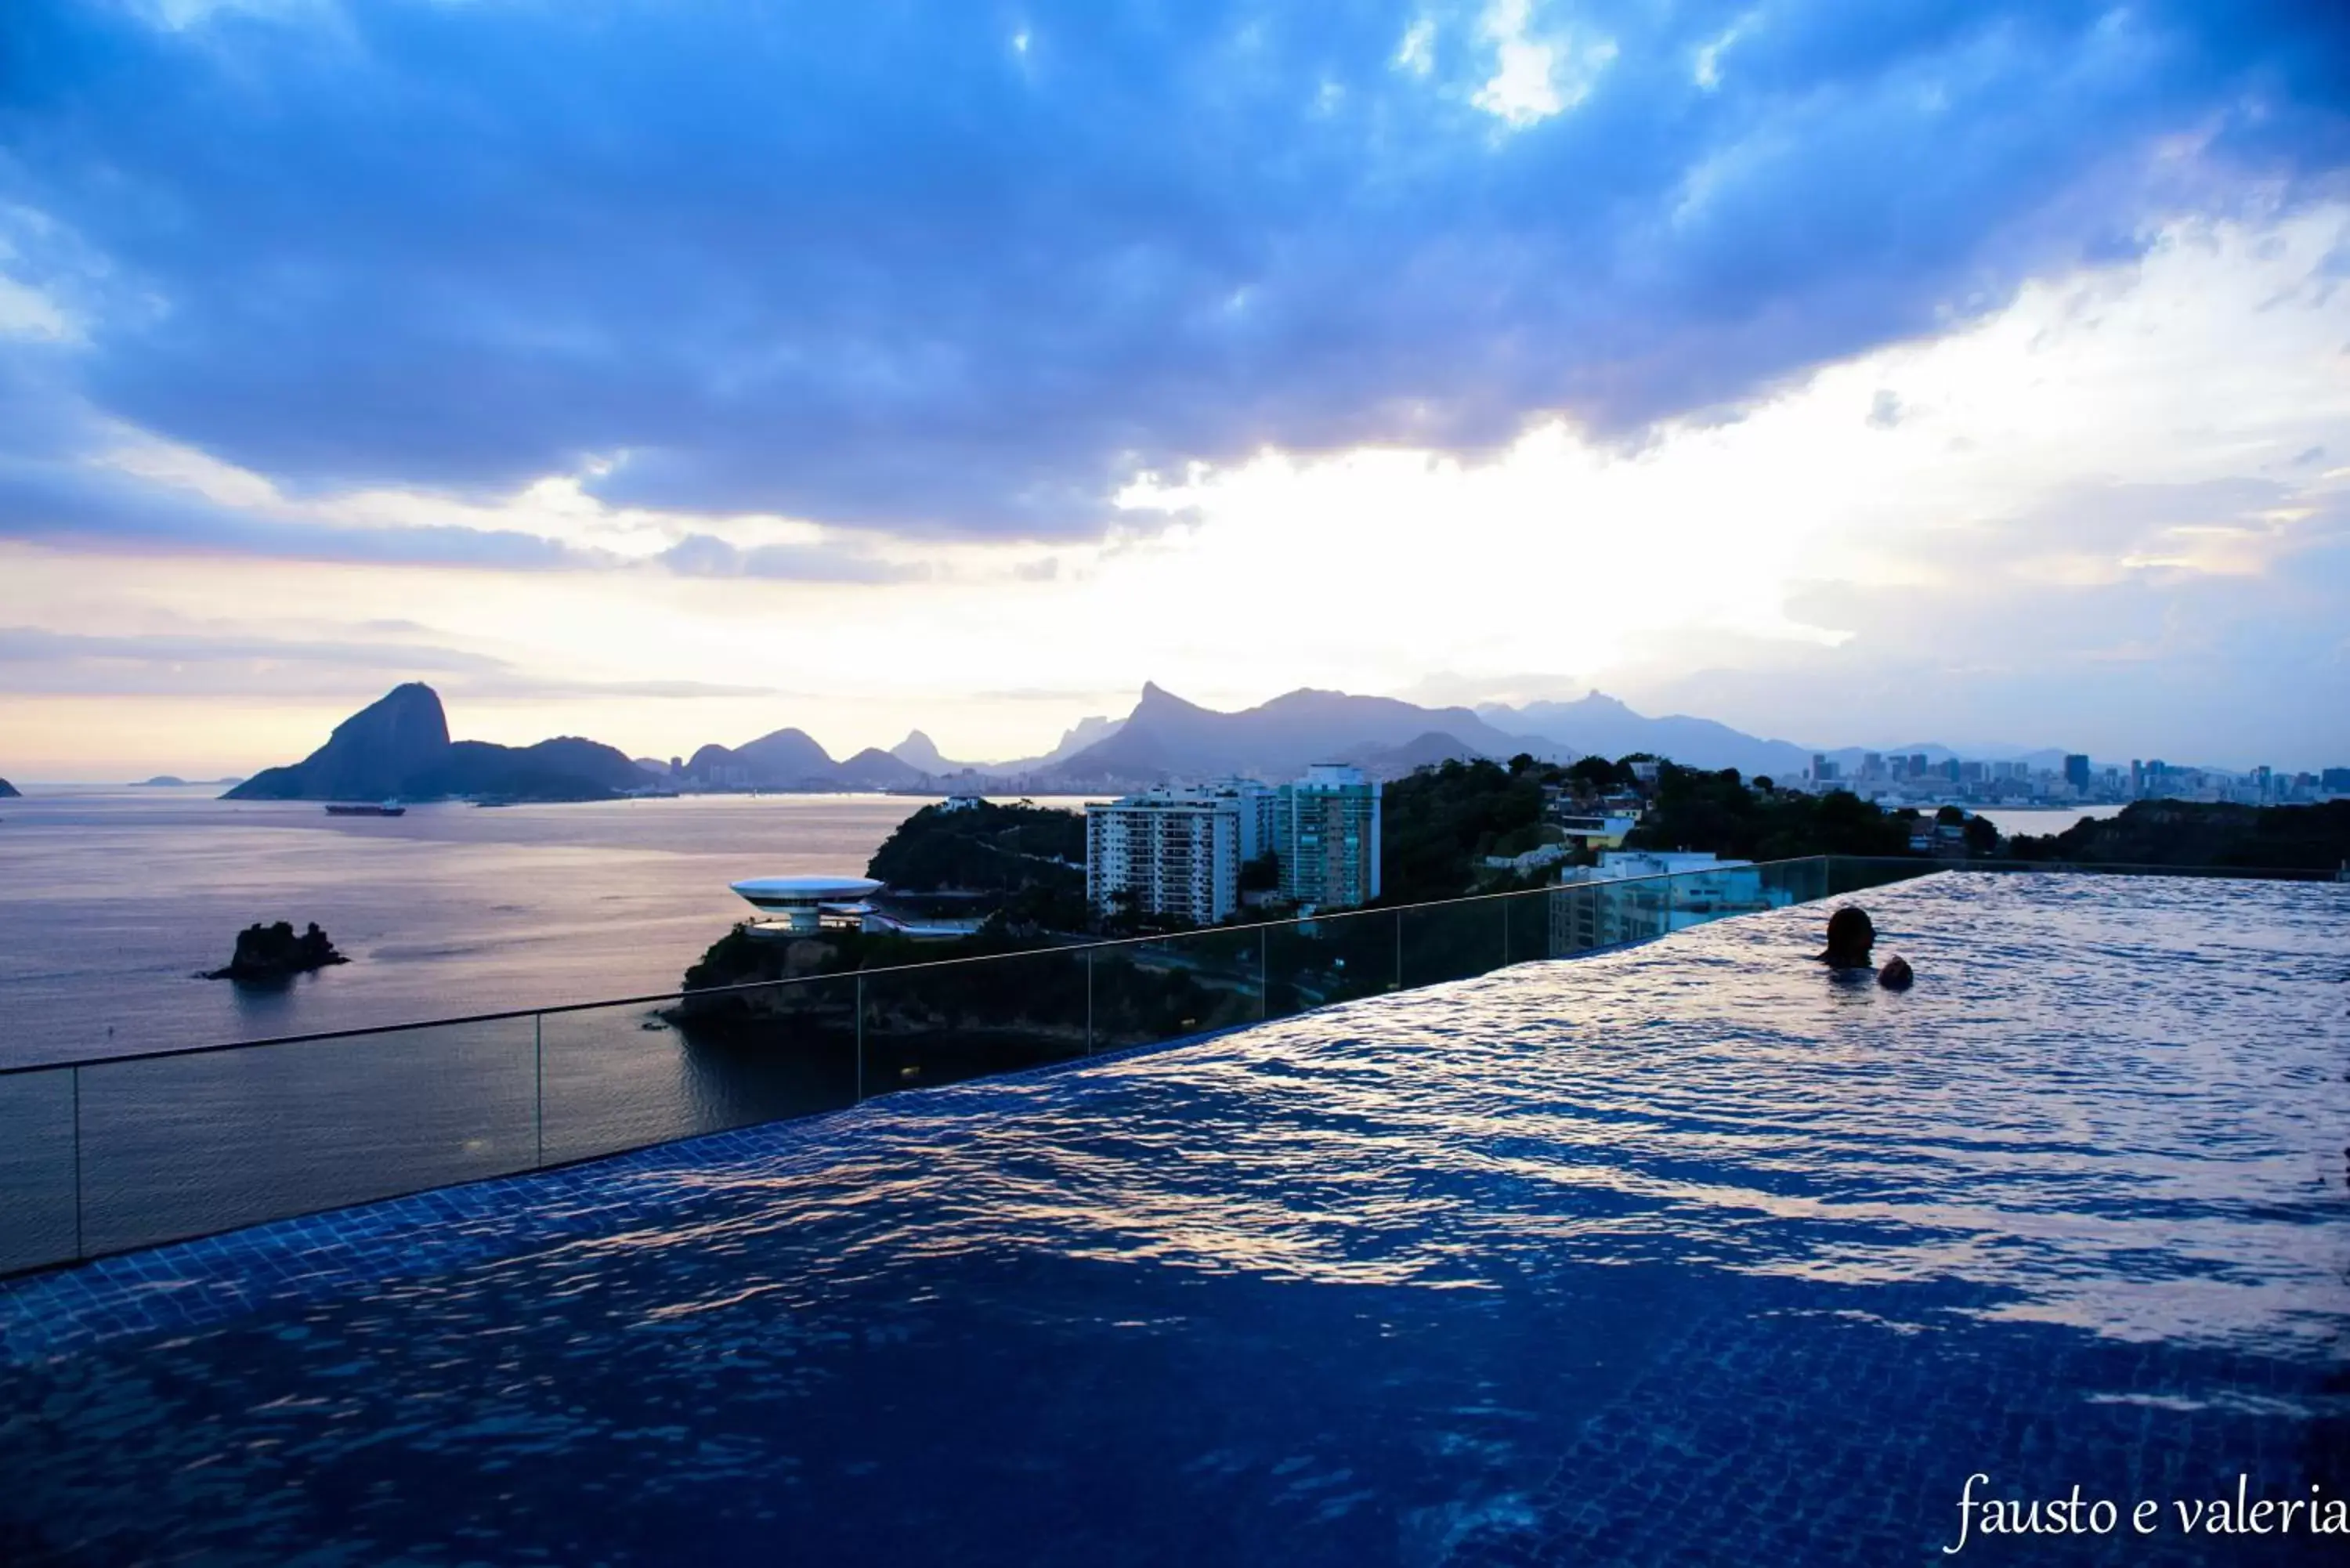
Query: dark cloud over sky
878,265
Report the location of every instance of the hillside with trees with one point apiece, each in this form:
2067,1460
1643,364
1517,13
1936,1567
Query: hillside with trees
2189,833
1439,825
1718,811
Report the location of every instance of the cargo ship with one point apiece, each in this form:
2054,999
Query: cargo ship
377,808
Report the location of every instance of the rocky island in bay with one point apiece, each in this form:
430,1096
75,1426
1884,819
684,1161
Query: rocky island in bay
275,953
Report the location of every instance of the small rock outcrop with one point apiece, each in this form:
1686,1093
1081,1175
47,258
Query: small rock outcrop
7,790
275,953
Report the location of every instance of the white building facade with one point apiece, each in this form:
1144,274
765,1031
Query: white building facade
1165,852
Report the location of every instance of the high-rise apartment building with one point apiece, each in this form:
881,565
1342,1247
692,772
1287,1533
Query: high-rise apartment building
1326,832
1165,852
1259,804
2077,772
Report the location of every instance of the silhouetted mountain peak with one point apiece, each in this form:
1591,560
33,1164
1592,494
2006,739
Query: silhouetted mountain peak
399,745
1157,701
785,757
1166,737
367,756
874,768
1606,726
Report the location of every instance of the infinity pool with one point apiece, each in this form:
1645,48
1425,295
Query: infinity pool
1686,1253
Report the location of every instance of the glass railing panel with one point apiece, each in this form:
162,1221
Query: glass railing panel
37,1169
1787,882
1453,941
1571,914
1525,926
1857,873
1331,957
1699,898
1146,992
938,1024
1640,908
623,1077
184,1145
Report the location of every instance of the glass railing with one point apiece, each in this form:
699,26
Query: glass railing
105,1155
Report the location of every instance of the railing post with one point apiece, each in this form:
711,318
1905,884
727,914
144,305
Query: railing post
80,1250
1263,978
861,1038
1089,1001
1399,945
538,1083
1506,932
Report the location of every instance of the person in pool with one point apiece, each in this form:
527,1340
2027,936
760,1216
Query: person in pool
1851,935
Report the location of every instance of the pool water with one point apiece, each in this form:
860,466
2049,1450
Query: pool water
1688,1253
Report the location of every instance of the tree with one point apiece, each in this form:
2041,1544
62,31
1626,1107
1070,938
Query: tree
1983,837
1597,775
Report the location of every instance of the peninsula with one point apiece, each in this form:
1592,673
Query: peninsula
2182,832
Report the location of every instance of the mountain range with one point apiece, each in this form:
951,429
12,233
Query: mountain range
400,745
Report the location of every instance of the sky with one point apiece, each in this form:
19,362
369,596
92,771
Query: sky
670,371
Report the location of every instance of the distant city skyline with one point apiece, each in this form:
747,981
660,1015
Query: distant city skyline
1979,377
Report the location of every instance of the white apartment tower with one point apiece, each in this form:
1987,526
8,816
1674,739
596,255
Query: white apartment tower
1326,832
1175,852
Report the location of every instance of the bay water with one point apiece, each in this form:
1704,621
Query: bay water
112,900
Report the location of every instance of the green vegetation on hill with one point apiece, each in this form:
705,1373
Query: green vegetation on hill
1437,825
2190,833
1693,808
985,847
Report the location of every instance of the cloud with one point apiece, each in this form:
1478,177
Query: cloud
1992,641
25,644
39,661
1451,689
869,266
706,555
101,507
101,511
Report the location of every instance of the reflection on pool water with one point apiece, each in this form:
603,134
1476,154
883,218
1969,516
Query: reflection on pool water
1683,1253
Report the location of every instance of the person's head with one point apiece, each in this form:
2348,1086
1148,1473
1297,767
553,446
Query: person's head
1850,935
